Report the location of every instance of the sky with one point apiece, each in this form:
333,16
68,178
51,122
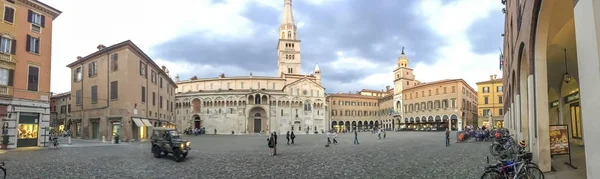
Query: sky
356,43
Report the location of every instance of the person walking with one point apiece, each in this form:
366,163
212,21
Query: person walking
275,146
356,137
384,134
287,136
447,137
292,136
271,144
334,137
379,133
328,139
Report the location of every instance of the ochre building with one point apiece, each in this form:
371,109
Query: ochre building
551,80
25,69
290,101
490,103
119,90
364,110
59,110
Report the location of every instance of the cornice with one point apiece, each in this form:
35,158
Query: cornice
37,5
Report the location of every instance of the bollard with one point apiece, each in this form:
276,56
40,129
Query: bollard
103,139
69,140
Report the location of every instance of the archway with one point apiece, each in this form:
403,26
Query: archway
453,122
257,120
347,126
196,105
523,96
353,125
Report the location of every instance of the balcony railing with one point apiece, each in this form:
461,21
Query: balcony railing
5,57
4,90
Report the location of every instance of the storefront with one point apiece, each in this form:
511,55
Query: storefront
140,129
27,130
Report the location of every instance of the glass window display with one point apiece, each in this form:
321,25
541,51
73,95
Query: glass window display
28,131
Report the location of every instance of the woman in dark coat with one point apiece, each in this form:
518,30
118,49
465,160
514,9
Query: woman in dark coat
271,144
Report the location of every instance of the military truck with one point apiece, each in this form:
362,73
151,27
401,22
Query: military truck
167,140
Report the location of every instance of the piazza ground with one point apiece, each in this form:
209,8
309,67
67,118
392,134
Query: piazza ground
400,155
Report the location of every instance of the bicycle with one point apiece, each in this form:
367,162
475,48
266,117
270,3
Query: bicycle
511,170
3,170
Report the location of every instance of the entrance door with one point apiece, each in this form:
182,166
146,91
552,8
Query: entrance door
576,120
257,125
197,124
95,129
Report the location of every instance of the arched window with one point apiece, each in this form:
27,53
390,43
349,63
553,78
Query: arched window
289,34
257,99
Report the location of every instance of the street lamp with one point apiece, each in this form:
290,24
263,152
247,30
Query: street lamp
566,76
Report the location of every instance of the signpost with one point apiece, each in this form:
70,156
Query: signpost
559,142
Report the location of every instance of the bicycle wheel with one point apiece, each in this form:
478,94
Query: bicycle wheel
533,172
495,149
491,174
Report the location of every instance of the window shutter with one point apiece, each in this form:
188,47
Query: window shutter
43,22
29,15
90,68
13,49
11,76
28,44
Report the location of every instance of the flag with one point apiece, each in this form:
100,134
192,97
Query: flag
501,61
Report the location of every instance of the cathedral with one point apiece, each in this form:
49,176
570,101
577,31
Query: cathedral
290,101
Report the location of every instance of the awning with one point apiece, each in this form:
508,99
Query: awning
137,122
146,122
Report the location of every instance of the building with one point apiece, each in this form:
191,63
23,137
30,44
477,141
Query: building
25,58
364,110
490,103
59,110
433,105
551,77
119,90
255,104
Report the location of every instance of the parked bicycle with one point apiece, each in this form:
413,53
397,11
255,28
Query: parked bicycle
512,170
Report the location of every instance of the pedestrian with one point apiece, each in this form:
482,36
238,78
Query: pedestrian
287,136
447,137
335,137
271,144
292,136
384,134
328,138
356,137
379,134
275,146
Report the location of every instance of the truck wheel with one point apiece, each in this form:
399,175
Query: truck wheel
178,154
156,152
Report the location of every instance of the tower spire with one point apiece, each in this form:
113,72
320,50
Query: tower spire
288,15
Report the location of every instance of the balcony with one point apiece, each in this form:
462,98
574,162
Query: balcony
6,57
5,90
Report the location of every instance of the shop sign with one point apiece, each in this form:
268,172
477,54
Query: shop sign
559,140
554,104
572,97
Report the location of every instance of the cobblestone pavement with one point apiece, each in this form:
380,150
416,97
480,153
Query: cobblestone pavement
400,155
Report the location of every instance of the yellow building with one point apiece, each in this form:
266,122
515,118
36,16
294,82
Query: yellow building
490,107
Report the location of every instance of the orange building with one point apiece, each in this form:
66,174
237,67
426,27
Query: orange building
25,58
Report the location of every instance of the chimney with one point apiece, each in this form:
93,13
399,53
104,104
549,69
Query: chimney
79,57
387,88
100,47
494,76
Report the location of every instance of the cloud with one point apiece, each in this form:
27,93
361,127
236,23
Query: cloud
355,42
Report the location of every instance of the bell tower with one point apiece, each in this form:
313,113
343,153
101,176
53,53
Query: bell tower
289,59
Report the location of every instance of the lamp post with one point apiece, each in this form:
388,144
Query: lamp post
490,112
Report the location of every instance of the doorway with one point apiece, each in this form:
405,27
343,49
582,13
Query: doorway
575,120
95,129
257,123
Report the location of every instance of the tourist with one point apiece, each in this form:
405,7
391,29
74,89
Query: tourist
356,137
328,138
271,144
379,133
292,136
275,146
447,137
334,137
384,134
287,136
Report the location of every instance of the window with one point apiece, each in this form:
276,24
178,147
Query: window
69,107
78,97
161,82
153,99
94,94
453,89
273,85
500,111
499,99
242,85
6,77
114,62
114,90
92,69
9,14
153,76
499,89
28,130
486,89
36,19
444,90
143,94
290,70
160,102
32,81
485,99
143,69
77,75
7,46
33,44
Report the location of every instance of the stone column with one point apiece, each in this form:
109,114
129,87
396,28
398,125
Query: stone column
538,84
586,30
